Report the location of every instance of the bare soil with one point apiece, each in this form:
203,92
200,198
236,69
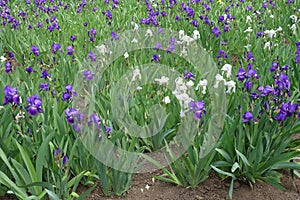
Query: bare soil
213,188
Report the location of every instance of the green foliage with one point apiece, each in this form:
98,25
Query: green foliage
255,151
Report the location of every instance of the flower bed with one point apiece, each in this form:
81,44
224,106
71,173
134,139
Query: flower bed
104,91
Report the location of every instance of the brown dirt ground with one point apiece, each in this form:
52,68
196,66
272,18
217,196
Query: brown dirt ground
213,188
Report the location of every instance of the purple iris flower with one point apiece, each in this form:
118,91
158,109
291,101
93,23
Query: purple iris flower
198,108
35,105
226,28
8,67
248,85
248,7
107,129
29,69
35,50
94,118
274,66
73,38
221,18
92,56
70,50
254,95
280,117
252,73
88,75
284,68
222,54
268,90
70,92
92,32
108,14
155,58
249,56
55,47
247,117
283,82
289,108
241,74
65,160
194,23
44,86
11,55
216,31
259,34
114,36
45,74
158,46
190,12
189,75
11,95
72,115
